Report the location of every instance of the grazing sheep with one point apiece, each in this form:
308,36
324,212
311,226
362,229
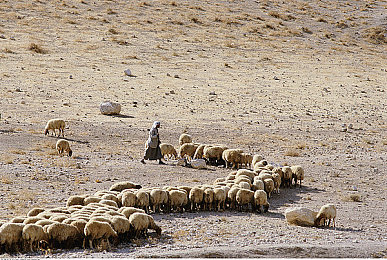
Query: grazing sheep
156,199
11,236
231,197
188,150
220,195
277,182
232,156
17,219
246,159
269,186
32,220
32,234
256,158
142,200
120,186
62,146
199,152
258,185
128,199
45,222
97,231
287,180
34,211
111,203
54,124
244,197
325,215
127,211
111,197
75,200
178,199
297,174
242,178
214,154
185,138
258,166
244,172
244,185
208,198
169,150
260,199
62,235
91,199
121,225
141,222
79,224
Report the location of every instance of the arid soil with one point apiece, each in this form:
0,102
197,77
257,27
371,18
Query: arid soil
299,82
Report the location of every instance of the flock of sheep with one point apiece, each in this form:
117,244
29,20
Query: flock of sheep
123,212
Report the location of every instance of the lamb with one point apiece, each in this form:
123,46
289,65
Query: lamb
188,150
326,213
178,199
287,180
244,197
232,156
120,186
220,195
95,231
260,199
246,159
32,234
63,235
213,154
256,158
169,150
185,138
62,146
142,200
141,222
269,186
127,211
298,174
11,235
54,124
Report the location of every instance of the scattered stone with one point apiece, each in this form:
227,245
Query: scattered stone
110,108
300,216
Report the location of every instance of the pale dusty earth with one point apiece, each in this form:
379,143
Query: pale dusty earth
299,82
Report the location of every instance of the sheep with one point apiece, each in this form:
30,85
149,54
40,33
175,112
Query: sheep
260,199
258,185
259,166
59,218
178,199
142,200
256,158
32,220
188,150
120,186
95,231
127,211
199,152
79,224
242,178
63,235
45,222
264,175
156,199
297,174
54,124
62,146
244,172
244,185
213,154
91,199
246,159
169,150
121,225
269,186
220,195
326,213
244,197
287,180
185,138
17,219
277,182
11,236
208,198
128,199
232,156
141,222
111,197
34,211
111,203
32,234
231,197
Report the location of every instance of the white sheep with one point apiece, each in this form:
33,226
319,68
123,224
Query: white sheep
196,196
178,199
213,154
258,185
256,158
260,200
111,203
141,222
91,199
269,186
188,150
246,159
208,198
32,234
185,138
156,199
232,156
142,200
245,198
34,211
11,236
298,174
111,197
95,231
325,215
199,152
62,235
128,199
231,197
277,182
244,185
168,150
62,146
75,200
220,195
127,211
121,225
120,186
287,179
54,124
32,220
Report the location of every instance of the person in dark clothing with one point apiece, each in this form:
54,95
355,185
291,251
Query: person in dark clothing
153,151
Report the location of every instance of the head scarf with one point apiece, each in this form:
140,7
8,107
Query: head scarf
155,123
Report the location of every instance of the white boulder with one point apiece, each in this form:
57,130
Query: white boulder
198,164
110,108
300,216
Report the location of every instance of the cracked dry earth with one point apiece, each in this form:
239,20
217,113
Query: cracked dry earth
297,82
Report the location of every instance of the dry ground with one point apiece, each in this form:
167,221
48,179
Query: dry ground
278,78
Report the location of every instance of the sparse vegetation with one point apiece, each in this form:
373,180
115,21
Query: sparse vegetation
36,48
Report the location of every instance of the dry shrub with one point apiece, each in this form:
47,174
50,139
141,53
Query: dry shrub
113,31
306,30
285,17
292,153
376,35
36,48
352,198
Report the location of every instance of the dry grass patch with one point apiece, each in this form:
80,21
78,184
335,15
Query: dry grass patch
37,49
375,35
7,159
352,198
292,153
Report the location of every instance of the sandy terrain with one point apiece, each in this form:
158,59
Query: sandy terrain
300,82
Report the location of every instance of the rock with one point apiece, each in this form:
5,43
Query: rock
128,72
300,216
198,164
110,108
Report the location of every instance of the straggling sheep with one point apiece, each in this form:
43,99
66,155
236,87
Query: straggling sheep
297,174
54,124
32,234
188,150
260,200
232,156
62,146
168,150
325,215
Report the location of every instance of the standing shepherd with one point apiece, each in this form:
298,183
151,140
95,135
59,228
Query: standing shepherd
153,151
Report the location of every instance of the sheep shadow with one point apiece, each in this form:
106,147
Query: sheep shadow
69,139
